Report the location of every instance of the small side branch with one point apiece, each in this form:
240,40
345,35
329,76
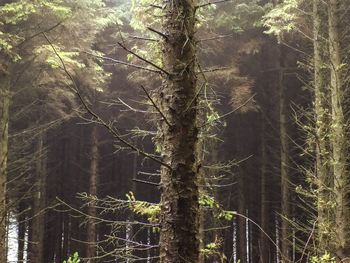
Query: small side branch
155,106
157,32
145,182
231,112
212,3
123,63
143,59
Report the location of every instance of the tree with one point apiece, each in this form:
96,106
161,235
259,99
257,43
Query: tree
179,136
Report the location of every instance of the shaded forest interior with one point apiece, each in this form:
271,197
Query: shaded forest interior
174,131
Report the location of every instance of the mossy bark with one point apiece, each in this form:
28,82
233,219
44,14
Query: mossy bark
179,237
338,131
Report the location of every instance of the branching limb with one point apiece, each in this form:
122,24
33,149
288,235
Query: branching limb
109,127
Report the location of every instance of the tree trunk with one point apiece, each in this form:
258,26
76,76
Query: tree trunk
91,227
284,164
39,202
21,220
179,136
264,208
322,131
338,134
4,122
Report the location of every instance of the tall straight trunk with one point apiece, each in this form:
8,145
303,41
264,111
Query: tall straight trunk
264,246
284,166
242,241
39,202
322,131
21,217
91,226
338,134
4,122
179,218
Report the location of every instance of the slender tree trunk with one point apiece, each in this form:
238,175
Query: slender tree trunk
91,227
21,232
264,208
39,202
242,241
322,131
284,164
4,122
338,135
179,136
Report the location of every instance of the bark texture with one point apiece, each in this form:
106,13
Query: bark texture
284,164
179,237
338,134
4,122
91,226
322,131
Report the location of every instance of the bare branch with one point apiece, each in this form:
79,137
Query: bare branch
231,112
157,32
123,63
143,59
145,182
109,127
156,107
212,3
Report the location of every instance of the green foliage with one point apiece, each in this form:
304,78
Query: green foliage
213,249
282,18
326,258
207,201
151,211
69,58
242,16
73,259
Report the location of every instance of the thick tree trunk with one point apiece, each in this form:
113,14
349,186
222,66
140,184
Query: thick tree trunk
4,122
322,131
179,136
338,134
91,226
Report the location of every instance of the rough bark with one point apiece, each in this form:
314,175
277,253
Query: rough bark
338,134
91,226
179,220
322,131
4,122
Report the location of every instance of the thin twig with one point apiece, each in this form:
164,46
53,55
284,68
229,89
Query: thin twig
123,63
212,3
145,182
231,112
155,106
